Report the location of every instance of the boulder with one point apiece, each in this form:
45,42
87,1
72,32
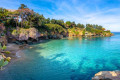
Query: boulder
107,75
25,34
60,36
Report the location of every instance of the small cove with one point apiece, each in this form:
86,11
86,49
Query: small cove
66,59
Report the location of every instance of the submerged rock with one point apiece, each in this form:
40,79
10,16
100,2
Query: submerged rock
107,75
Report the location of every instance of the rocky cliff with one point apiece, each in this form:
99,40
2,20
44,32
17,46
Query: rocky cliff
33,35
25,34
75,32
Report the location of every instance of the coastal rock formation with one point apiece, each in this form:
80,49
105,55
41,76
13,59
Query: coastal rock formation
89,34
108,34
107,75
55,36
75,32
25,34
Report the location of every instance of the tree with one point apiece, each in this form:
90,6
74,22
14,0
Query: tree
89,25
8,18
39,21
54,28
14,16
25,13
60,22
103,29
99,27
80,25
73,24
68,24
53,21
3,14
23,6
47,20
10,23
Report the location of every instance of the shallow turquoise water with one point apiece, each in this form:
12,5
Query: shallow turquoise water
67,59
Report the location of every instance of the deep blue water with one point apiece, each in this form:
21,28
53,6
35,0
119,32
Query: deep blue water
66,59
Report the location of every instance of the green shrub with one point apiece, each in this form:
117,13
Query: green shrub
83,32
4,47
54,28
7,52
8,59
3,63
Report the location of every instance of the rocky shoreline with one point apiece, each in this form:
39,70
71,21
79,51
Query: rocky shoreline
16,51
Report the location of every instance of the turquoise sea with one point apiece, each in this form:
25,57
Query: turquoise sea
66,59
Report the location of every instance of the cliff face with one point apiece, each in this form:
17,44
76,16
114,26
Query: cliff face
107,75
32,34
75,32
25,34
108,34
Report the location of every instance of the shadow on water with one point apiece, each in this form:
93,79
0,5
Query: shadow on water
91,71
50,69
37,67
116,63
58,55
44,69
78,74
99,62
42,41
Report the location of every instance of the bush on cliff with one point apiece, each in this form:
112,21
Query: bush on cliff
75,31
54,28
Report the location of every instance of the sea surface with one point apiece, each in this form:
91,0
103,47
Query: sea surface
66,59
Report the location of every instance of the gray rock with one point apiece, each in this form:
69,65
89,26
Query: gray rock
107,75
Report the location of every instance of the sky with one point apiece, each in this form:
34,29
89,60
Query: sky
101,12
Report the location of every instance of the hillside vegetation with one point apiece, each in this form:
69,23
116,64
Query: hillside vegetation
23,24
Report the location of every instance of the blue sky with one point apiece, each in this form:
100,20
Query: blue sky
102,12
